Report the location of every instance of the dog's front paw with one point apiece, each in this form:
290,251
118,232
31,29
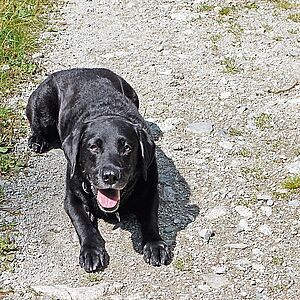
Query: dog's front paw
38,144
157,253
93,259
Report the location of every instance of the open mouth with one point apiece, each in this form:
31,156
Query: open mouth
108,199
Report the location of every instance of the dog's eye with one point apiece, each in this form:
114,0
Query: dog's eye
93,147
127,149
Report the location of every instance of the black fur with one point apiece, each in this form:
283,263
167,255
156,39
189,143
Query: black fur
92,114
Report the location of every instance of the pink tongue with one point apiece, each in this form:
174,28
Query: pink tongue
108,198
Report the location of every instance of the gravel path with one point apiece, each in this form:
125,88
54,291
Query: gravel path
218,82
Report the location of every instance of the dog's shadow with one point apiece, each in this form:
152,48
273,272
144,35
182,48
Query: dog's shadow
175,212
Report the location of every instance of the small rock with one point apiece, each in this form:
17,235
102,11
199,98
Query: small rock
243,225
265,229
206,234
169,194
160,48
236,246
258,267
178,147
215,281
204,287
294,167
226,145
201,127
170,229
264,197
270,202
266,210
225,95
257,252
216,212
37,55
177,221
242,109
244,211
184,16
5,68
220,270
169,124
242,264
294,203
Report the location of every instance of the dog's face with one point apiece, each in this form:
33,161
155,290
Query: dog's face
110,153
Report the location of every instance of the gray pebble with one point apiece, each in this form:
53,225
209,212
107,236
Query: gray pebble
201,127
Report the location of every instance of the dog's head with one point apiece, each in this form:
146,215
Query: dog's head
109,152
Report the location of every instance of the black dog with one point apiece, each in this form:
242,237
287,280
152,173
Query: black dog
92,114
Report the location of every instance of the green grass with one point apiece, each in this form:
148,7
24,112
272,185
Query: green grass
277,260
244,152
294,17
283,4
6,246
225,11
232,131
20,22
11,163
230,66
184,263
2,194
11,129
248,202
263,121
205,8
292,183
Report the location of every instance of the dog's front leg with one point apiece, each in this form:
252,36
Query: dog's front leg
155,250
93,256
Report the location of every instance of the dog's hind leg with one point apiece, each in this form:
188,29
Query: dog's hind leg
42,113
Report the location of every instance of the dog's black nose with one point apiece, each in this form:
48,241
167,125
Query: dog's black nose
110,176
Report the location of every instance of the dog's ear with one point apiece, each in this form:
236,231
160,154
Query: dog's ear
147,150
70,147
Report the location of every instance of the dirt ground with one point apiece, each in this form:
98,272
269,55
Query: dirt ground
218,82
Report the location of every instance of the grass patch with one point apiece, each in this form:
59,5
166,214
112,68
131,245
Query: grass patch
232,131
294,17
277,260
248,202
9,121
283,4
251,5
20,22
11,163
230,66
244,152
184,264
263,121
292,183
205,8
293,31
278,38
6,247
7,253
2,195
225,11
253,172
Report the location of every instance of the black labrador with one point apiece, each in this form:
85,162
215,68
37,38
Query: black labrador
92,114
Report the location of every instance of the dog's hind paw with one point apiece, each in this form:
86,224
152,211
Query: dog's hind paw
93,259
157,253
38,144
